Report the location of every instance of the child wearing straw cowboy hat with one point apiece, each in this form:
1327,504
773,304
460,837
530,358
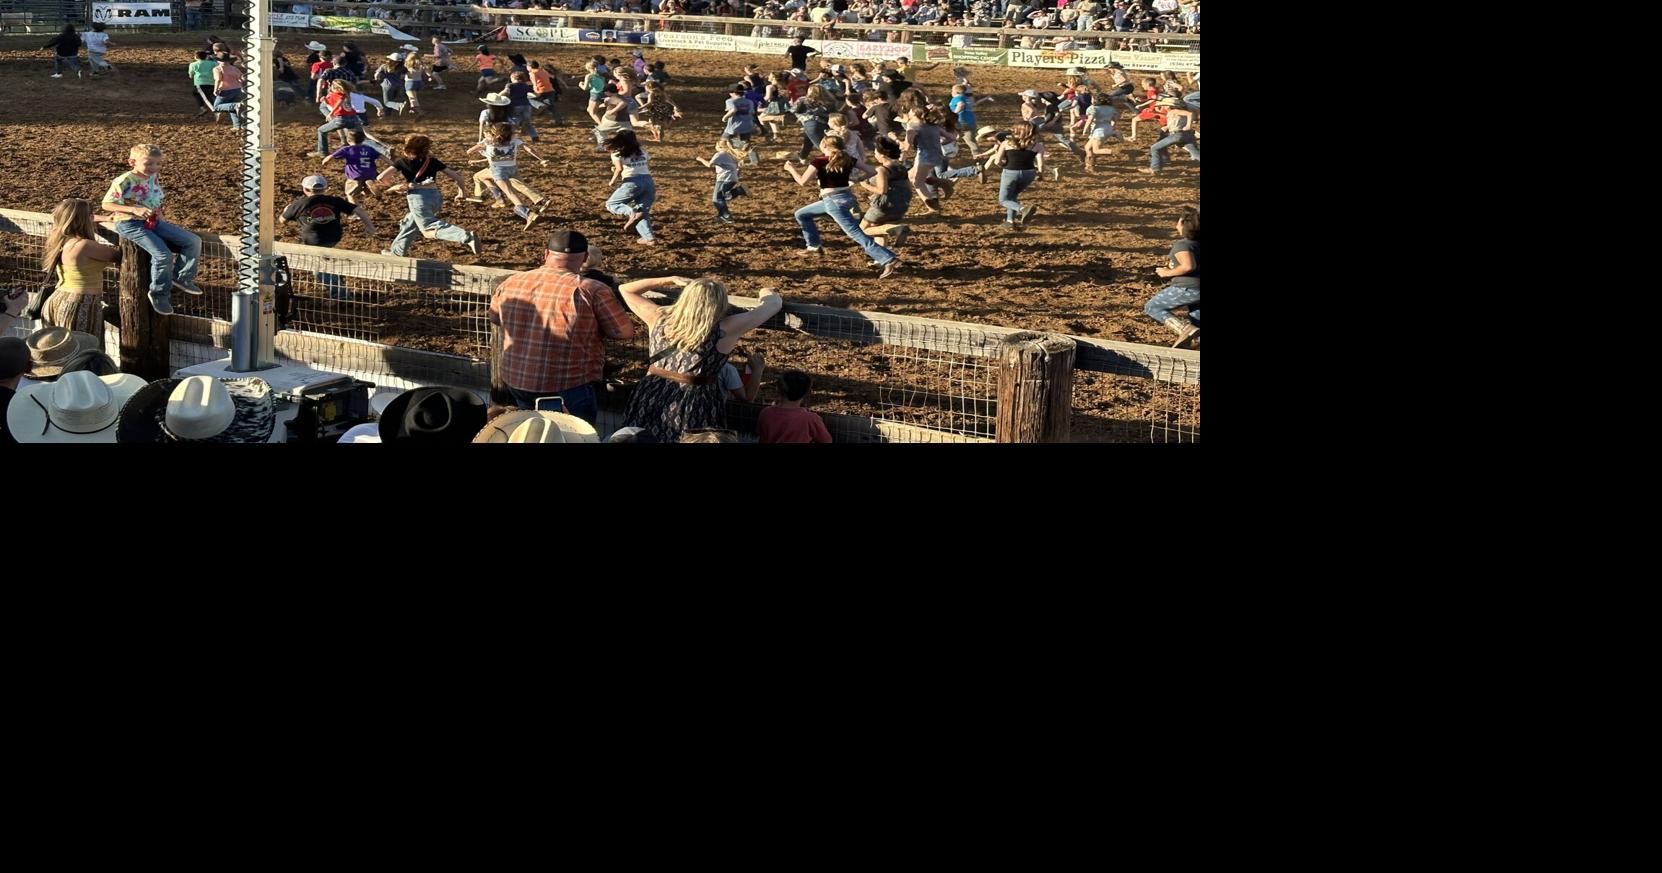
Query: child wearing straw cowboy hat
78,408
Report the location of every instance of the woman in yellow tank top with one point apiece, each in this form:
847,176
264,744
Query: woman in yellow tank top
78,260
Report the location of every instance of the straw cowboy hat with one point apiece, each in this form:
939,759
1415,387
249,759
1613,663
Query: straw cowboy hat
525,426
50,348
78,408
200,409
316,46
433,415
495,100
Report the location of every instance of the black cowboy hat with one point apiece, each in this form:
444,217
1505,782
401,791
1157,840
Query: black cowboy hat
433,415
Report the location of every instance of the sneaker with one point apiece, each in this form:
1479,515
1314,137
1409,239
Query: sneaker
188,287
1027,212
811,250
890,269
499,204
473,243
634,219
60,76
160,303
393,253
1009,225
522,212
646,242
898,238
1149,171
725,218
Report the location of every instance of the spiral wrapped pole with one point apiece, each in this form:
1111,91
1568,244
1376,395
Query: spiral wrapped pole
253,307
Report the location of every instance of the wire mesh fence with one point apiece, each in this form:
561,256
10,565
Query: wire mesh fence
878,377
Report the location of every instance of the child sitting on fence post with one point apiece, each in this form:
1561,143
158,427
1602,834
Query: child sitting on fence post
786,421
137,195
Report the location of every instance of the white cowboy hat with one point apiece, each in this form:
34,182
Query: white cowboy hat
200,409
78,408
411,47
495,100
316,46
526,426
395,56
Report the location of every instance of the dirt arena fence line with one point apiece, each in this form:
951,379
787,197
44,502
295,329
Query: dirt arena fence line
407,322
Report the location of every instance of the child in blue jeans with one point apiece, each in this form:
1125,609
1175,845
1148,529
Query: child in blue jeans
138,195
726,164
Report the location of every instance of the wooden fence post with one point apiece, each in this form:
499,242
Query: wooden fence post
1035,388
144,334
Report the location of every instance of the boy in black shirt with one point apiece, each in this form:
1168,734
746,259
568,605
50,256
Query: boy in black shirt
320,216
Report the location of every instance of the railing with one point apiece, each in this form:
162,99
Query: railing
403,322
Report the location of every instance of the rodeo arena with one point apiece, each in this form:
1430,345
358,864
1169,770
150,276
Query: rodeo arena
851,221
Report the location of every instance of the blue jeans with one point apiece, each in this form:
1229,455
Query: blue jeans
160,243
841,207
230,101
392,89
423,220
520,117
96,60
721,195
1160,306
1184,138
550,102
636,194
579,401
193,18
347,122
1192,100
813,130
333,286
61,64
1010,185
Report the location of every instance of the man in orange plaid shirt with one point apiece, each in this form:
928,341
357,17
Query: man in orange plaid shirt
552,322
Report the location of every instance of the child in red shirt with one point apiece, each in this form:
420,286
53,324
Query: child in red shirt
786,421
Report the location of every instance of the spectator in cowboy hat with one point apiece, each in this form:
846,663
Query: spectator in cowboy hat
553,320
51,348
433,415
78,408
200,409
528,426
14,362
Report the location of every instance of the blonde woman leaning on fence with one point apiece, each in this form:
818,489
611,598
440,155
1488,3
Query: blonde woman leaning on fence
689,342
77,260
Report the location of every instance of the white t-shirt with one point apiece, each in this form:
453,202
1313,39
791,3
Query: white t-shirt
727,169
95,41
504,155
635,166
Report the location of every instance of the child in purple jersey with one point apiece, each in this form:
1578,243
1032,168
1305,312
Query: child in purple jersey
360,166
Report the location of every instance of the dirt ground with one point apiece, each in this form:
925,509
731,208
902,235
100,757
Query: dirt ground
1085,266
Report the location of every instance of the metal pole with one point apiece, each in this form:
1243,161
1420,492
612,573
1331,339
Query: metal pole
254,306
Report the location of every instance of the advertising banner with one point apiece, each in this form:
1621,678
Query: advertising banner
289,19
542,34
132,14
710,42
